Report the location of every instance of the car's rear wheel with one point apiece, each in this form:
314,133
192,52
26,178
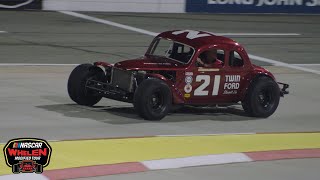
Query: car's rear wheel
77,85
152,99
262,98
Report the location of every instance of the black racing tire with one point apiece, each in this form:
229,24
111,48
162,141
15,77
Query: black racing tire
77,82
262,97
39,169
152,99
15,169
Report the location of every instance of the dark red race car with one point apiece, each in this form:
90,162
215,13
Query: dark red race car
182,67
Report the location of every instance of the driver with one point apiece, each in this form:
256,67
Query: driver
209,59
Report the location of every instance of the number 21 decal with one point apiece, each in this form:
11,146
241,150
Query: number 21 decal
200,91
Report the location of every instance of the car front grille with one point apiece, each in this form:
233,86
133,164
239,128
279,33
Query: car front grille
122,79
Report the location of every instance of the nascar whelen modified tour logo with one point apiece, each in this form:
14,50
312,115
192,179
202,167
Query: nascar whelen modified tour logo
27,155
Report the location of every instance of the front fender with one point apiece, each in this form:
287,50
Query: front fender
104,64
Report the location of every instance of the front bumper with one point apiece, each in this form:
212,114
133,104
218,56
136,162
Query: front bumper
107,90
283,89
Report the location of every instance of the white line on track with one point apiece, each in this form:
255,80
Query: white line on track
3,31
35,64
306,64
279,63
109,23
155,34
258,58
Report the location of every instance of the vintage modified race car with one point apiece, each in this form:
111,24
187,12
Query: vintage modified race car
174,71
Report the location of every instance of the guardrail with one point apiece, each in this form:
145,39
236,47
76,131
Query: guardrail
157,6
169,6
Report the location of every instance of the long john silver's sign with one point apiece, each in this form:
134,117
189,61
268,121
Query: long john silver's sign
268,2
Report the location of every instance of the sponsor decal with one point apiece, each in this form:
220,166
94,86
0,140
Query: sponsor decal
167,64
230,92
27,155
188,79
208,69
232,84
191,34
187,88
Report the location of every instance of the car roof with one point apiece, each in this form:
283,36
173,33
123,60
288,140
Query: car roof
196,39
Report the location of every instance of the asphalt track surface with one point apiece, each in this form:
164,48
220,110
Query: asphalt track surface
34,100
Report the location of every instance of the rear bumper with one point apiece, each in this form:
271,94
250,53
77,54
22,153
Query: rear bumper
283,89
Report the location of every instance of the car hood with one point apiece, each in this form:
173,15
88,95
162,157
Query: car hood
150,63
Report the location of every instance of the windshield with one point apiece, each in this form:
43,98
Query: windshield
173,50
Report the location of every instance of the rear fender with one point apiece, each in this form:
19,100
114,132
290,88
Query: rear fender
176,94
253,78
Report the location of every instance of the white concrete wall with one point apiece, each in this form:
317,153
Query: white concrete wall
158,6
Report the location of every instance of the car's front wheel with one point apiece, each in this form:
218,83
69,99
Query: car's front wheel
77,85
152,99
